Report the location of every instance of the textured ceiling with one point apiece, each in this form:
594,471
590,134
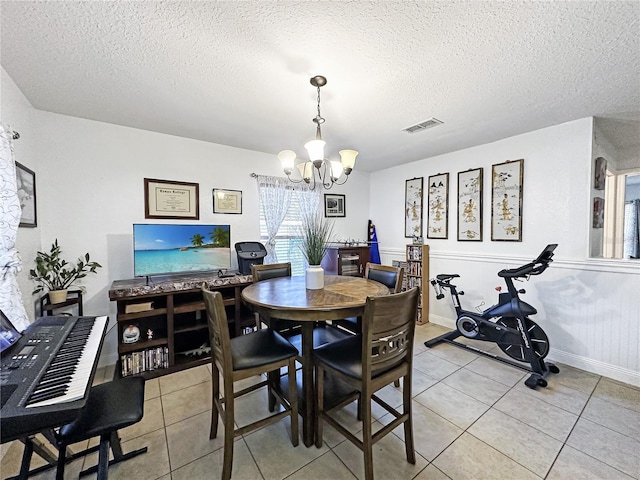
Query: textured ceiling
237,73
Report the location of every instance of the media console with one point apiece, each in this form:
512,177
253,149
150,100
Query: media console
169,315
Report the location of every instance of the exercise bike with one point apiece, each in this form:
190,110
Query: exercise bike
507,323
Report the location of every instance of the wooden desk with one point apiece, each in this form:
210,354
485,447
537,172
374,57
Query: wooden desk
287,298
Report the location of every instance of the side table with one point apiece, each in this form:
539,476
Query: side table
74,297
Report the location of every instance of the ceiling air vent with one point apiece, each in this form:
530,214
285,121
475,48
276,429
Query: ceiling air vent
431,122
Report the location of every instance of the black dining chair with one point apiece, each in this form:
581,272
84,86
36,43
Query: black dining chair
245,356
389,276
367,362
267,272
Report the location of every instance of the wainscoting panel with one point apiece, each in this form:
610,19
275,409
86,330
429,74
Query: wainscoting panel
590,310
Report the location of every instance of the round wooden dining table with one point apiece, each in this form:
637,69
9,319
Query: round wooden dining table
287,298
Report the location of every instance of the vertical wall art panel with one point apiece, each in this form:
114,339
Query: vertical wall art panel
413,208
506,201
470,205
438,223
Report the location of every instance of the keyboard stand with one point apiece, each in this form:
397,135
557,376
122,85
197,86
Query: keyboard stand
32,444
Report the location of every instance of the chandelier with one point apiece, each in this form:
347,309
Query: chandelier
319,169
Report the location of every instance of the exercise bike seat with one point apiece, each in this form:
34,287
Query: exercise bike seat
445,277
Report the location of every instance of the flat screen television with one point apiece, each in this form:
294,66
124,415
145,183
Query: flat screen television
160,249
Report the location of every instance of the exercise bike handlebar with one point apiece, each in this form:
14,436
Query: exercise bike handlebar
535,267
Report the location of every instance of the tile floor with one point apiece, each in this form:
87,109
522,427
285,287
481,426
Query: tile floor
473,418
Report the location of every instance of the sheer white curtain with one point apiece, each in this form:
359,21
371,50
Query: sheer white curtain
309,200
10,262
275,195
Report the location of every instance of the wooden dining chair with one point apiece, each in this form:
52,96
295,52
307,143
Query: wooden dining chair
266,272
368,362
234,359
389,276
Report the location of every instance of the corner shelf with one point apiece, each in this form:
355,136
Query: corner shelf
417,275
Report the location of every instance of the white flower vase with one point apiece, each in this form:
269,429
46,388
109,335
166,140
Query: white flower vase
314,277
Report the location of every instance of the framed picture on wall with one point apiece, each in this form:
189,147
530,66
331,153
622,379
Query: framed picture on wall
26,187
598,212
438,212
169,199
506,201
413,208
334,205
227,201
470,205
600,174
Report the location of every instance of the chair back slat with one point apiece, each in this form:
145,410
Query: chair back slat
389,276
272,270
388,330
219,338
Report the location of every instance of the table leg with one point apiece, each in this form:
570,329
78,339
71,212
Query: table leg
308,426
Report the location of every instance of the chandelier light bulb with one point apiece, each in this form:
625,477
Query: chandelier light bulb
306,170
287,159
315,149
336,170
348,158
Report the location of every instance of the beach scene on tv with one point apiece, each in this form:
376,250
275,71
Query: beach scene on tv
163,249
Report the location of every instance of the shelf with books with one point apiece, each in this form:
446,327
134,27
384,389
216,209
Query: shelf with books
417,275
170,315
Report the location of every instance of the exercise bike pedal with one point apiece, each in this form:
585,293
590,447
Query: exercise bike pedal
552,367
534,381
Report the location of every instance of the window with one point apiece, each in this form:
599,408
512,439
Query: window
287,240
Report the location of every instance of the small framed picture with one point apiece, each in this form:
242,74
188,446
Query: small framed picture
334,205
600,174
598,212
227,201
169,199
26,186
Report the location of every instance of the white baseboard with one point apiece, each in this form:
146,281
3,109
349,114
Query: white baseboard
576,361
594,366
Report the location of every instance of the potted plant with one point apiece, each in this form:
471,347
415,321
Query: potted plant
56,275
316,233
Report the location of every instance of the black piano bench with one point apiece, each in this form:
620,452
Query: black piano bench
110,407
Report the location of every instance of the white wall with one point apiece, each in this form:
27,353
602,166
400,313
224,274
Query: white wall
590,309
90,190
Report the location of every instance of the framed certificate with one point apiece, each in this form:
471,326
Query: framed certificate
227,201
168,199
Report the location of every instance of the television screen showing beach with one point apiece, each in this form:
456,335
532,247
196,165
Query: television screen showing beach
161,249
